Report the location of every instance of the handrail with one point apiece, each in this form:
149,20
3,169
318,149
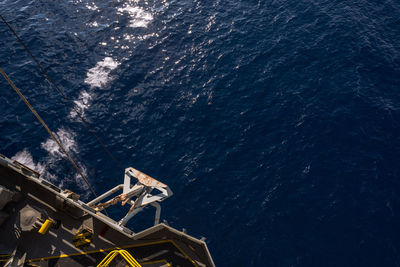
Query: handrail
125,254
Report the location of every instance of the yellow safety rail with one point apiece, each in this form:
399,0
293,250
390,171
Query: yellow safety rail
125,254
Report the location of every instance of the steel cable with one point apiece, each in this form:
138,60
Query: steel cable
48,130
47,76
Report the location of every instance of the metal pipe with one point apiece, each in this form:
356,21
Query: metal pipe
103,196
124,220
158,212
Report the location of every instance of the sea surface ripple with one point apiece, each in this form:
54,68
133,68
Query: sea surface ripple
276,123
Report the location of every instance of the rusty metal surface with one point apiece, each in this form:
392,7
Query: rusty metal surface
112,201
145,179
138,196
27,168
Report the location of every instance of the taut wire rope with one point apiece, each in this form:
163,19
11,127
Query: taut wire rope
47,76
49,131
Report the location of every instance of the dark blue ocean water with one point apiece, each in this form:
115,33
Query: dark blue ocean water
275,123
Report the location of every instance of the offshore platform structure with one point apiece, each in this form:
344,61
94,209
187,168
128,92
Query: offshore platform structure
42,225
141,191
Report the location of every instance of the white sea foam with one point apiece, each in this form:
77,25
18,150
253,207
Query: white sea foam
139,18
81,104
26,158
67,139
78,178
99,75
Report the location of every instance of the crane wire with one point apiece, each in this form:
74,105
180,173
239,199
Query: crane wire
48,130
47,76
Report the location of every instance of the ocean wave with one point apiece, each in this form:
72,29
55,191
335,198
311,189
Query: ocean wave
26,158
99,75
81,104
67,139
139,18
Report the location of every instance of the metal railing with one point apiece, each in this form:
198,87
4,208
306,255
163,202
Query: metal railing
125,254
